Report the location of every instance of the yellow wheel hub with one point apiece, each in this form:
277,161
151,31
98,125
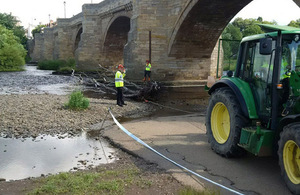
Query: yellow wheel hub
291,161
220,123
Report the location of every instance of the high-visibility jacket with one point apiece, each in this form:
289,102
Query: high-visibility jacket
119,82
148,68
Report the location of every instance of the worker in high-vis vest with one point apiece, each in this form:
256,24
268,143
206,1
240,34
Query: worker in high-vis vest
119,83
147,71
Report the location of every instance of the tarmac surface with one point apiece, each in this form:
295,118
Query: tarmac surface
183,139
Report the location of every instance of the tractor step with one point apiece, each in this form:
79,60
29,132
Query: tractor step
257,141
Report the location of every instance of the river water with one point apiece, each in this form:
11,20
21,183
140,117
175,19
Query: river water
43,155
34,81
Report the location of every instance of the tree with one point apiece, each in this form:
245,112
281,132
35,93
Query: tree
11,23
295,23
12,53
230,48
252,29
250,26
37,29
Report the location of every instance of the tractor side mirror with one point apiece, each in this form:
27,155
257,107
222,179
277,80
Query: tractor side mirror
265,46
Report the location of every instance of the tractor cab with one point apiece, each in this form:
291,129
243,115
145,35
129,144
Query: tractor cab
257,109
257,61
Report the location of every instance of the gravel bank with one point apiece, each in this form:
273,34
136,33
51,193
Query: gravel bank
30,115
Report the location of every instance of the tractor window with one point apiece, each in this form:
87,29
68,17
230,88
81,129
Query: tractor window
248,60
257,71
290,57
263,66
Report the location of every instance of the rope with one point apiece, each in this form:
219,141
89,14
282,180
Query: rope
175,163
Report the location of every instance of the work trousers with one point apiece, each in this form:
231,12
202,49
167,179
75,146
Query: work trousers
120,100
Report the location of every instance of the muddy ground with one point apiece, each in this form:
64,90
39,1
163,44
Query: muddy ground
161,182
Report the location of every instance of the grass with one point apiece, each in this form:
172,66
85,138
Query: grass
115,181
77,101
103,182
191,191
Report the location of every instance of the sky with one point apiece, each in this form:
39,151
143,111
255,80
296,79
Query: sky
38,11
281,11
35,11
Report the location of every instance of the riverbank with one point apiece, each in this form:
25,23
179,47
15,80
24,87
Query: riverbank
32,114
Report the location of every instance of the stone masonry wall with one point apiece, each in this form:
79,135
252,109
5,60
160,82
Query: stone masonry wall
159,17
37,53
183,37
97,19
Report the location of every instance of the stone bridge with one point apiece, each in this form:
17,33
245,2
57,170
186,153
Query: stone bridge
178,36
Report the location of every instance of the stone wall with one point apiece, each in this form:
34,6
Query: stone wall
184,34
160,17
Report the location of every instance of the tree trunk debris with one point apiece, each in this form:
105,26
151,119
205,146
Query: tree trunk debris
104,81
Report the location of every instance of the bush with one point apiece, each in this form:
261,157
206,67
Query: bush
12,53
50,64
56,64
77,101
65,70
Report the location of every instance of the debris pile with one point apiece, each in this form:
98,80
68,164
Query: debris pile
103,81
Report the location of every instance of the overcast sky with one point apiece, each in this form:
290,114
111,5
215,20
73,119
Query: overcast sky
35,11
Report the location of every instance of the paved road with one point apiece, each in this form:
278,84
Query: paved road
183,139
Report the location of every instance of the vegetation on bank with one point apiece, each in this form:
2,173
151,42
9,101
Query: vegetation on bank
57,65
77,101
12,44
103,182
117,181
12,53
37,29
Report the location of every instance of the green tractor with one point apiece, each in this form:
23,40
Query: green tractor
257,108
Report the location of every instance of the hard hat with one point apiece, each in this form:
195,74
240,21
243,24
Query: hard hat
120,66
147,61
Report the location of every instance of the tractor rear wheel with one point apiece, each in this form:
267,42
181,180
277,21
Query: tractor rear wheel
289,156
224,121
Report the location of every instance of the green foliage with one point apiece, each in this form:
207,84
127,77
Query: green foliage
191,191
230,48
69,63
11,23
232,35
37,29
250,26
12,53
252,30
103,182
56,64
50,64
295,23
77,101
65,70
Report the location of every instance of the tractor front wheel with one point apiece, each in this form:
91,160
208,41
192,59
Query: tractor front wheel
224,122
289,156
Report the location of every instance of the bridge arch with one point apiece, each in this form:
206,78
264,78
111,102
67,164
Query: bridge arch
77,38
116,38
195,33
